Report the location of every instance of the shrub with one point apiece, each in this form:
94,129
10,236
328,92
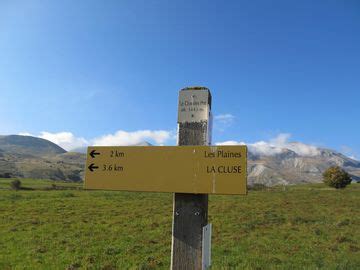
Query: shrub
74,177
15,184
336,177
257,186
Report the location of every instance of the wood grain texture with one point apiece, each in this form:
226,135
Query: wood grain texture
190,216
190,212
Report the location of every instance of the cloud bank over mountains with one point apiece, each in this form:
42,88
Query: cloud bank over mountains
276,146
69,141
64,139
122,137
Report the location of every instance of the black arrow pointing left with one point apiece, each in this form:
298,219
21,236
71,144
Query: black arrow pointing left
92,167
93,153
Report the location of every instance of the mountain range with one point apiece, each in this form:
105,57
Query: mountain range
31,157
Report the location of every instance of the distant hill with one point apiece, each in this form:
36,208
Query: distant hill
27,145
82,150
29,157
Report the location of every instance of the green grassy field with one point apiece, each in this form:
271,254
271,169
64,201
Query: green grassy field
300,227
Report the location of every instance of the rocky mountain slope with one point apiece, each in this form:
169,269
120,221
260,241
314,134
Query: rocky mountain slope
285,166
30,157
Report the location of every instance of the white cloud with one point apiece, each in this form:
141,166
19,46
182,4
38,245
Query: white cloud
122,137
225,118
349,152
230,143
223,121
25,134
69,141
277,145
282,141
64,139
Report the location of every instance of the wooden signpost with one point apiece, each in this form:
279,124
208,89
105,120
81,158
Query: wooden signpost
191,171
187,169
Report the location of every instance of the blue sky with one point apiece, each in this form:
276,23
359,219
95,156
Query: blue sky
84,70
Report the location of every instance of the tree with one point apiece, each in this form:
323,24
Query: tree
16,184
5,175
336,177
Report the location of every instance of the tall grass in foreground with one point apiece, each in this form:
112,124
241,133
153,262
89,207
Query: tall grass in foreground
299,227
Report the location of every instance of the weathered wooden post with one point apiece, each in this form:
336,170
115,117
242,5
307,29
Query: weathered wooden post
190,211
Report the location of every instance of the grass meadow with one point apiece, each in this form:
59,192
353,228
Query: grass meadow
297,227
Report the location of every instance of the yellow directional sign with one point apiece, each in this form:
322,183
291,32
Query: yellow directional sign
182,169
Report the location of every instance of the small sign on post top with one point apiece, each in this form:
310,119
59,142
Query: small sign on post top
194,116
194,106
